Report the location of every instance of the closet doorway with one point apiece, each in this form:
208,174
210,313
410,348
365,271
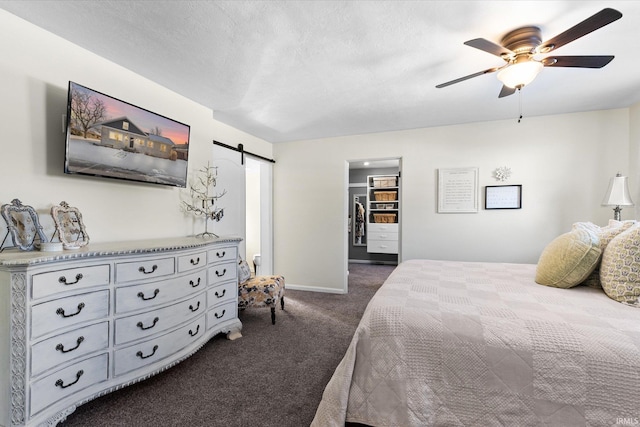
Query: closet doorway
374,200
259,222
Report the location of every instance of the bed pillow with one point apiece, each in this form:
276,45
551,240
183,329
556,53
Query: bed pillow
569,259
620,267
605,234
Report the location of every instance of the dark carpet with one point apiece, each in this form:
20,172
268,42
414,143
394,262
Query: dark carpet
273,376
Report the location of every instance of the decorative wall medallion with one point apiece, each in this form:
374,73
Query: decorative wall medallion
502,173
23,225
69,226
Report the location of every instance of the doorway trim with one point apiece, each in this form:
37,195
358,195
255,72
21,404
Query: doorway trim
380,163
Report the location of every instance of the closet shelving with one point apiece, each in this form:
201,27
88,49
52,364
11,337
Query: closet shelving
383,213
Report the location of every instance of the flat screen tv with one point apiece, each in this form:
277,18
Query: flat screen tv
111,138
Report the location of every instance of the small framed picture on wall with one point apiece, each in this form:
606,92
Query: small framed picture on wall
503,197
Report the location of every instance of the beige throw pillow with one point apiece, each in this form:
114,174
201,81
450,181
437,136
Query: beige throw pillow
605,234
620,267
569,259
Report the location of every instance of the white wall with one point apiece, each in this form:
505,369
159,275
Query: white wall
563,162
35,67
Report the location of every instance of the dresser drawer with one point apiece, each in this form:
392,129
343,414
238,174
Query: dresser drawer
137,297
143,325
222,293
382,235
228,253
222,313
65,347
68,381
65,312
146,353
191,262
383,227
69,279
143,269
222,272
382,246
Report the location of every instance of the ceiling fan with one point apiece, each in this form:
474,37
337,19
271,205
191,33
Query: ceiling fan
518,48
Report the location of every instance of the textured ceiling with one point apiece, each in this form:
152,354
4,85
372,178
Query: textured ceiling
293,70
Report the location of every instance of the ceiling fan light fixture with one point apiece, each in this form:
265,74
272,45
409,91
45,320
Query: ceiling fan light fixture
520,74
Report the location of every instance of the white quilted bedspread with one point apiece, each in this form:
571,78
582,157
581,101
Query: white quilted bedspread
481,344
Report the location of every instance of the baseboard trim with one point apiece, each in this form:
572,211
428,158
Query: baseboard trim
373,262
295,287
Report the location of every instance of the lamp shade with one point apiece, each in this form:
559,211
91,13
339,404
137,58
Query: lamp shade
520,74
618,192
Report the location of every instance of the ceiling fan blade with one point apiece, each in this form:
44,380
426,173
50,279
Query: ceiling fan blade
470,76
577,61
489,46
599,20
506,91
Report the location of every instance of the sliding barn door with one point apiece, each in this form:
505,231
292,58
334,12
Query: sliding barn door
231,178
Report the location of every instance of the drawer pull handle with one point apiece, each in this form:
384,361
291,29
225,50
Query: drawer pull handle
155,294
60,383
221,316
224,271
141,325
144,270
224,291
60,347
193,334
194,284
63,279
221,256
194,309
196,262
60,311
141,356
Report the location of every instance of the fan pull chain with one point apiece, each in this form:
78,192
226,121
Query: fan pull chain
519,104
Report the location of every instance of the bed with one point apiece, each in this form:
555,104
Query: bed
446,343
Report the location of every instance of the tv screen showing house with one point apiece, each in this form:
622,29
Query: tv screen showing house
111,138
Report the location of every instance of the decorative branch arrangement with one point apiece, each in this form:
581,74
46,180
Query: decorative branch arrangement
204,199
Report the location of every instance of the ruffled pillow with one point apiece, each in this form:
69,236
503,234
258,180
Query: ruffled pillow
569,259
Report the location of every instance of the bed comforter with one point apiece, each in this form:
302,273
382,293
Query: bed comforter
481,344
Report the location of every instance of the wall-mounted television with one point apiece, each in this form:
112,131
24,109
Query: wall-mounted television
111,138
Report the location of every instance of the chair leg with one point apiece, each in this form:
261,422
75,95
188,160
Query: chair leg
273,315
282,303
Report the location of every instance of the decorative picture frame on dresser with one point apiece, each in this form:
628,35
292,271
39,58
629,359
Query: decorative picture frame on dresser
69,226
22,224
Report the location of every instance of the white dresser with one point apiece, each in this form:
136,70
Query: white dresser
76,325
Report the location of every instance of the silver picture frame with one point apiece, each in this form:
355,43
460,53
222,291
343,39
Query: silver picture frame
69,226
23,225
